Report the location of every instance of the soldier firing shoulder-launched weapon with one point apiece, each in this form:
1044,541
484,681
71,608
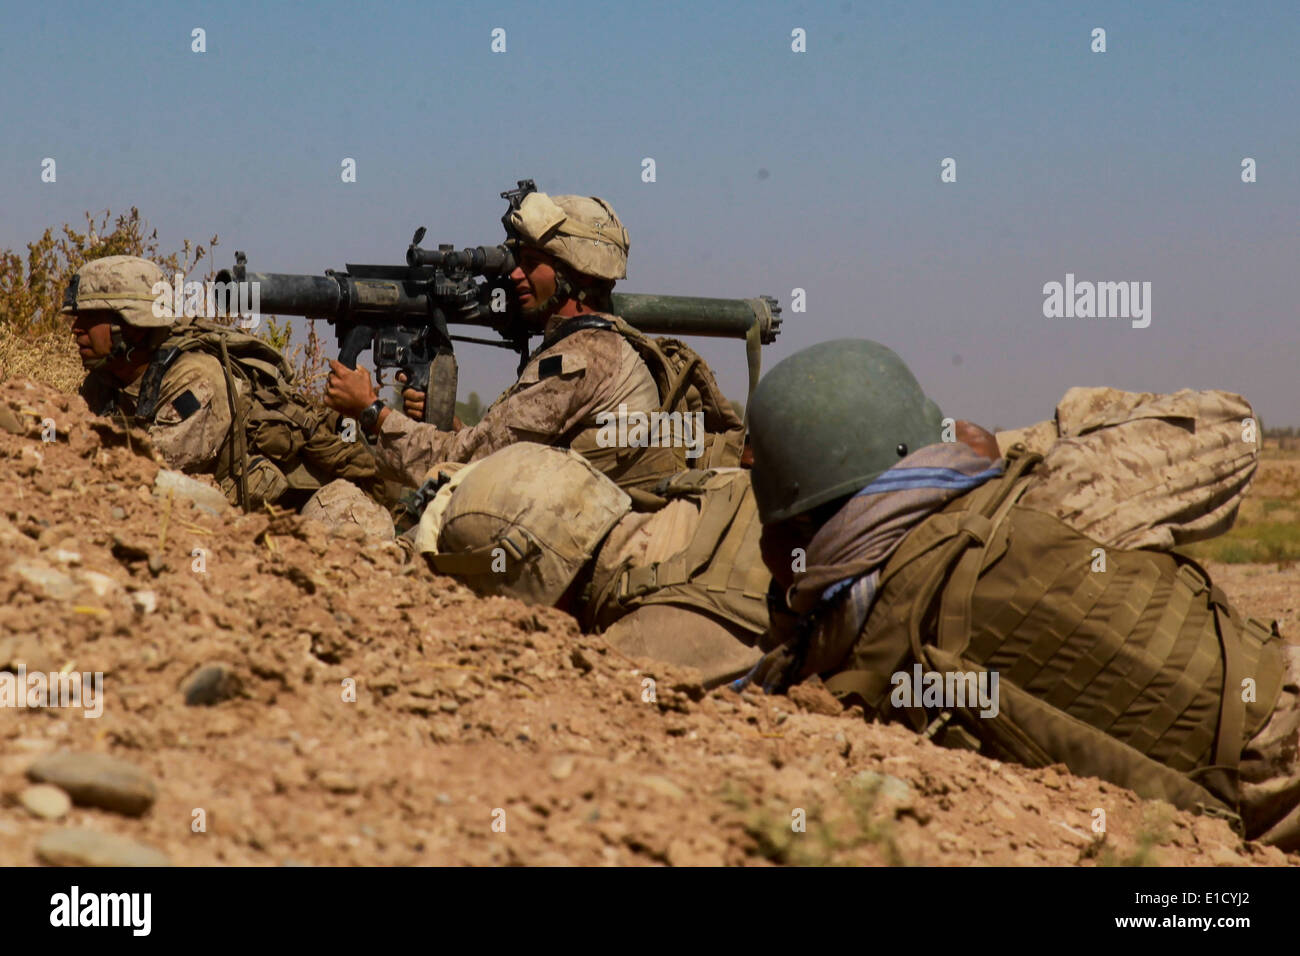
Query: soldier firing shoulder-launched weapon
403,313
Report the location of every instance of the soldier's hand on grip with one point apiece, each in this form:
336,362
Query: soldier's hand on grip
412,400
349,391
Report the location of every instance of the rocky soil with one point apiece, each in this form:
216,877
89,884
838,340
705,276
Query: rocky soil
273,695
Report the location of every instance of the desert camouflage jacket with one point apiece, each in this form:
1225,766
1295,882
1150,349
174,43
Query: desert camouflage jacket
555,401
192,421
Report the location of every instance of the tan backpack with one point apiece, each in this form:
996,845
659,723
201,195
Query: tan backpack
270,423
1135,675
529,521
522,522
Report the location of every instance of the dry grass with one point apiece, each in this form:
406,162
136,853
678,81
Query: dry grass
34,339
31,287
307,359
47,357
1268,526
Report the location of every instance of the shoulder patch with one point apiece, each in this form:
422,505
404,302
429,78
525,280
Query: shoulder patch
186,404
550,366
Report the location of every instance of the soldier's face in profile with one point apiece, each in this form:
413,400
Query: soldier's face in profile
534,280
92,330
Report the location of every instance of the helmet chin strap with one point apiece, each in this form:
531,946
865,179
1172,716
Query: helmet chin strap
121,349
564,290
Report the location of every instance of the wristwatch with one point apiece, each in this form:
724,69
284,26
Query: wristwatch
370,417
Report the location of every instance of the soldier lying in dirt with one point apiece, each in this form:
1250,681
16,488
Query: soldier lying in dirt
897,550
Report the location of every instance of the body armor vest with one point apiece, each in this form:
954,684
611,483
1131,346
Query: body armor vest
685,387
268,421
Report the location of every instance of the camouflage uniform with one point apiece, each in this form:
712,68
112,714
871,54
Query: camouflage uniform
680,635
1122,661
341,504
683,585
581,371
586,373
191,420
1141,470
1270,766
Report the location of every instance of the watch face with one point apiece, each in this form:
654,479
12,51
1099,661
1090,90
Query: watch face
370,416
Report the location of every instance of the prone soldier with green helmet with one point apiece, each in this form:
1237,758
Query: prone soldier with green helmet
569,250
915,564
215,401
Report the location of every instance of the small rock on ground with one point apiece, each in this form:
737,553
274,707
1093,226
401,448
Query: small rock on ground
80,847
210,685
97,780
205,497
45,801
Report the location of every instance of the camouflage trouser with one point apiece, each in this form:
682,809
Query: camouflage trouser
686,638
1270,767
1139,470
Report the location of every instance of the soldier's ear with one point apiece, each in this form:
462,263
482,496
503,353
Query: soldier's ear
136,336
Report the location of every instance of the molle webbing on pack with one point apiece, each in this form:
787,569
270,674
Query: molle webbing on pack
1143,654
718,571
918,567
238,437
683,388
267,419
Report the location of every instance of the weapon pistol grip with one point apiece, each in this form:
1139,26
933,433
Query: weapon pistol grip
353,342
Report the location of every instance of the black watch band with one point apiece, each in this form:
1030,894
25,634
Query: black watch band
370,417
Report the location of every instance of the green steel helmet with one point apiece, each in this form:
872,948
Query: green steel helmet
826,421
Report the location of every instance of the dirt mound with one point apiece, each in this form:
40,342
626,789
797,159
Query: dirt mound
286,696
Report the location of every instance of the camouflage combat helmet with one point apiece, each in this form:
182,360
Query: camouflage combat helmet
583,232
826,421
525,521
124,285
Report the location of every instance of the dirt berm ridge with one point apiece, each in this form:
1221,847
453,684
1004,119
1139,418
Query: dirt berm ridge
287,697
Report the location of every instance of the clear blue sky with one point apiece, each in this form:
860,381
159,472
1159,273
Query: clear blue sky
775,169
